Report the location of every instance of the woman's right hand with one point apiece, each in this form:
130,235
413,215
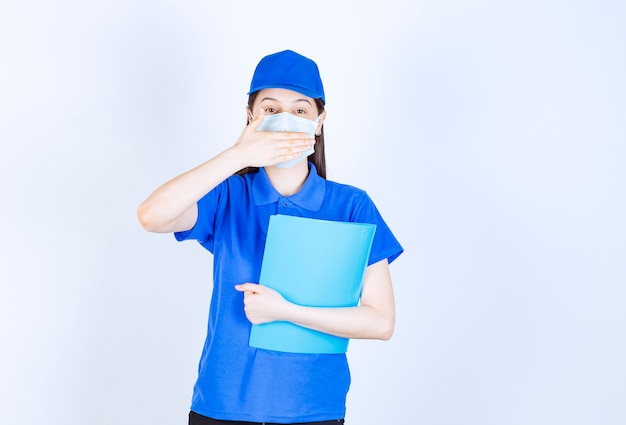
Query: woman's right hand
266,148
172,207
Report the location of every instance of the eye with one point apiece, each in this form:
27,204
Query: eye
301,111
270,110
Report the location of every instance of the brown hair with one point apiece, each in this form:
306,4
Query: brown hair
318,158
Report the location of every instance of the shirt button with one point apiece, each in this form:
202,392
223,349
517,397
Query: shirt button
285,204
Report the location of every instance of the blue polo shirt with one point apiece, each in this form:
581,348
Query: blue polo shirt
236,381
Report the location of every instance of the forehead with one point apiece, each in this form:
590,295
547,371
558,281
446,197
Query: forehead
283,96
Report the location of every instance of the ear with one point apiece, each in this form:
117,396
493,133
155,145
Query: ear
249,114
322,117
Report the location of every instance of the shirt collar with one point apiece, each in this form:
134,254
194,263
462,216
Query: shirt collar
310,196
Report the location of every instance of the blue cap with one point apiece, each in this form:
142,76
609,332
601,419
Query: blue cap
288,70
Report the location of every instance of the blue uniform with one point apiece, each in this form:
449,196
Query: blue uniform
235,381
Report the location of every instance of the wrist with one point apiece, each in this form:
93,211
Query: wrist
233,158
293,313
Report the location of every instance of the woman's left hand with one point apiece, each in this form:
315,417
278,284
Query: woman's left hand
261,304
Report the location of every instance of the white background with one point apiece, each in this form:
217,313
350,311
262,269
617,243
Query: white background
491,134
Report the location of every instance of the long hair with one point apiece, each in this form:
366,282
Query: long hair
318,158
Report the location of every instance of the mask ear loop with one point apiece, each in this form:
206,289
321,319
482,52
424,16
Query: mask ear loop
318,131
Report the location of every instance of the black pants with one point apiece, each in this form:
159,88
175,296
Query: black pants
197,419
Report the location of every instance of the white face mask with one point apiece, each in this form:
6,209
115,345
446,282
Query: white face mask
288,122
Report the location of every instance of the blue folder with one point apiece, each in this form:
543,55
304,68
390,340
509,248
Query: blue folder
317,263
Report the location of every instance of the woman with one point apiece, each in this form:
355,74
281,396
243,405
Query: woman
225,204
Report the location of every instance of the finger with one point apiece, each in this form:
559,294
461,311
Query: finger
289,156
301,141
247,287
294,135
296,148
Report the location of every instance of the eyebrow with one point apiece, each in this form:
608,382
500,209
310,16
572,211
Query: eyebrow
276,100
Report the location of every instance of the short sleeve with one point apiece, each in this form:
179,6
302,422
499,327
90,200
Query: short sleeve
385,244
204,229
